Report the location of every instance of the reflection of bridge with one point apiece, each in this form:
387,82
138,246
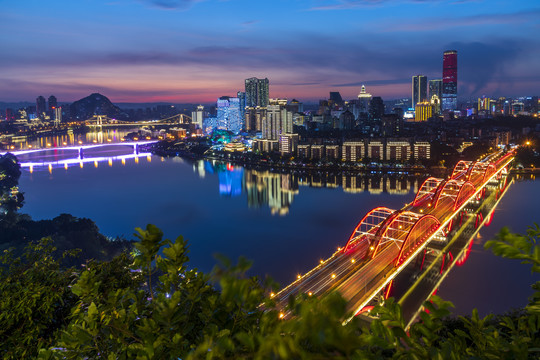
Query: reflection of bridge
385,241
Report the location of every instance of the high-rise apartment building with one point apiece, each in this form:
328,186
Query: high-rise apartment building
278,120
257,92
419,89
449,91
228,114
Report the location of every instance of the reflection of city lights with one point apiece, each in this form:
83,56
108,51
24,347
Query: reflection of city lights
136,160
110,162
50,169
95,163
123,161
149,158
81,165
65,166
31,169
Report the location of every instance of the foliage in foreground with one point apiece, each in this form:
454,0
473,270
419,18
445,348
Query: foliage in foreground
151,306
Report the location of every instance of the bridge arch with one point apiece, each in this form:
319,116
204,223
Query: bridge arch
368,226
449,190
422,229
490,170
466,190
395,229
460,168
427,190
476,172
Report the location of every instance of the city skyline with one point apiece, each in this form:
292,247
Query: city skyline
197,51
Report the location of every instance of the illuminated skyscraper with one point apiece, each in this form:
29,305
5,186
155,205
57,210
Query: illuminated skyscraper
197,116
449,91
435,88
419,89
228,114
257,91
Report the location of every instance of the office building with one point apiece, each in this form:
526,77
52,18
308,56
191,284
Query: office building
449,91
419,89
257,92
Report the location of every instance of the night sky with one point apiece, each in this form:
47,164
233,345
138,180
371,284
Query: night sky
197,50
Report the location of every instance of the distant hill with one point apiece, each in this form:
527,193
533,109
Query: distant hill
95,104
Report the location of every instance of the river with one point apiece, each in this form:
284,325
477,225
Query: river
285,222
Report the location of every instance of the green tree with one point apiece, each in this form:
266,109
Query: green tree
11,199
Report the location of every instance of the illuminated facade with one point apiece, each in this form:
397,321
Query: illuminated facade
375,150
353,151
422,150
288,143
419,89
254,118
257,92
449,91
228,114
398,150
423,111
278,120
435,102
197,116
435,88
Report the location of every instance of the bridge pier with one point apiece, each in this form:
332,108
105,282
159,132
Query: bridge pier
81,153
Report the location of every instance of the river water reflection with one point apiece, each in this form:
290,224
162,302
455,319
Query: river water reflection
284,222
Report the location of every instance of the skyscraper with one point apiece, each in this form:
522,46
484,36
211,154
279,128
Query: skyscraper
257,92
41,106
242,98
435,88
228,114
53,104
419,89
197,116
449,90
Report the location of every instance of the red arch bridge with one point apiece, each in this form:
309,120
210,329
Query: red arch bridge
385,241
